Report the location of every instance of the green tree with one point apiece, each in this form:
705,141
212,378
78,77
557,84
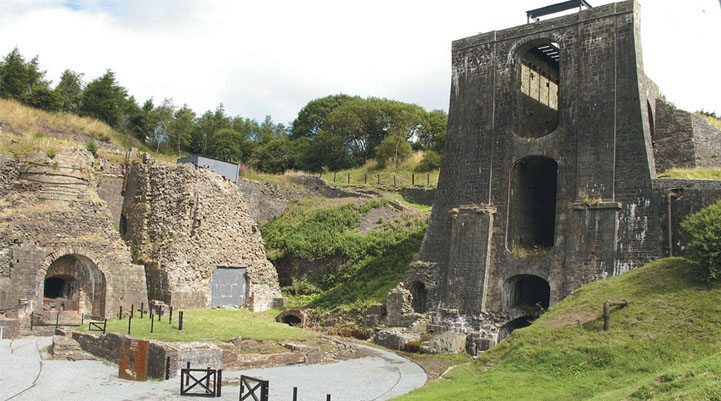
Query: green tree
25,82
276,155
202,135
162,118
432,135
704,245
180,129
313,115
69,91
393,149
227,145
105,100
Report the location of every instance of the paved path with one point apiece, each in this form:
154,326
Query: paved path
26,376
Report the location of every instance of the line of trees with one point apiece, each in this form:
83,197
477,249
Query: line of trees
329,133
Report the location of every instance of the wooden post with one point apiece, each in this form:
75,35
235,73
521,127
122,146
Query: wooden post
413,179
57,320
130,319
334,177
105,326
142,309
180,320
170,318
132,308
379,179
120,313
348,178
167,368
394,184
151,320
428,179
365,179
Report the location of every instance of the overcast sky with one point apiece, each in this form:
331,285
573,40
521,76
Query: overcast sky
273,56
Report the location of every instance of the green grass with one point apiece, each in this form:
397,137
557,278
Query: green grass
704,173
211,325
374,262
371,176
665,346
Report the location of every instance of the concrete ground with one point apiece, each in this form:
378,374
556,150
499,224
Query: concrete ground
25,375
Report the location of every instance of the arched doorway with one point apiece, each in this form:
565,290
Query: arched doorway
528,292
74,283
420,297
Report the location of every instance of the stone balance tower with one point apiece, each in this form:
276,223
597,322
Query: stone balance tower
548,179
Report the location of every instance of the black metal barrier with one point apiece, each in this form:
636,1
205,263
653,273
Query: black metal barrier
98,326
257,388
206,382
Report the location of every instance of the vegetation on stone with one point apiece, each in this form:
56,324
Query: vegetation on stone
210,325
375,261
663,346
704,173
704,244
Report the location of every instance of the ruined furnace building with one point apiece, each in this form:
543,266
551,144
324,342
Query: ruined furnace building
191,229
80,240
60,253
555,138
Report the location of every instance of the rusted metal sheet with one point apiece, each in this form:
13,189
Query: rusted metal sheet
133,359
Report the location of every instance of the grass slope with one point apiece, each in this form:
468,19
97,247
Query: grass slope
703,173
50,132
210,325
665,346
375,261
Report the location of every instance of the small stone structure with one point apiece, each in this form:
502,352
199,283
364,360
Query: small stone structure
59,249
555,138
185,223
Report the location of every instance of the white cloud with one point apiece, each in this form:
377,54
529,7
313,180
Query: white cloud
274,56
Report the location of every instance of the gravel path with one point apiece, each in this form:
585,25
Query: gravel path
26,376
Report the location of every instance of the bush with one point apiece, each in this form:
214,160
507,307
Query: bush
393,150
51,152
92,147
431,161
704,245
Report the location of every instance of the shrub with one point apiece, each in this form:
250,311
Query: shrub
704,245
51,152
393,150
92,147
431,161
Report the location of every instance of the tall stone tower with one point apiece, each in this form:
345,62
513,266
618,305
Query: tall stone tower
547,180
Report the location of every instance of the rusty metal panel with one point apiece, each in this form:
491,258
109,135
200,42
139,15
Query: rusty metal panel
133,359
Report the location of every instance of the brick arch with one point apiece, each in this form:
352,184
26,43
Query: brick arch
524,291
93,279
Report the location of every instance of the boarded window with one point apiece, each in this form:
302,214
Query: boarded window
228,286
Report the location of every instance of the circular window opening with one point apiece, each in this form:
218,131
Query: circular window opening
537,101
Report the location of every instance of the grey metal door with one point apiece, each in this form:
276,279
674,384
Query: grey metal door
227,287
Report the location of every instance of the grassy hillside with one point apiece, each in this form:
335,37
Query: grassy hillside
372,261
47,132
370,175
665,346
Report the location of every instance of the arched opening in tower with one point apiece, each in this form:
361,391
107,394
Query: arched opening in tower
532,204
539,79
420,297
292,320
74,283
528,292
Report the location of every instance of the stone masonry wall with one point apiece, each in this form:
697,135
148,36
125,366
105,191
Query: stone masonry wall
52,210
183,223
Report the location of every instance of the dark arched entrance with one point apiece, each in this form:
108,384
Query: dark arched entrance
74,283
528,292
420,297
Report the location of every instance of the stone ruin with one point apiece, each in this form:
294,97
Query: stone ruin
555,139
77,239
